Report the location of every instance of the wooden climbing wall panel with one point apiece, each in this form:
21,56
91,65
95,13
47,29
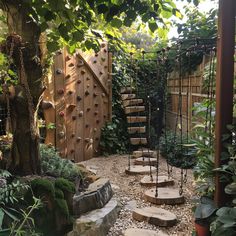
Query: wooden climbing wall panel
80,91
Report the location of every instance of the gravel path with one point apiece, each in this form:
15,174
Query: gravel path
130,194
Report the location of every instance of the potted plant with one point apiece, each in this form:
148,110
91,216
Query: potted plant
204,215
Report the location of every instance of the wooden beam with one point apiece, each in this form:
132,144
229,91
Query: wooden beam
224,83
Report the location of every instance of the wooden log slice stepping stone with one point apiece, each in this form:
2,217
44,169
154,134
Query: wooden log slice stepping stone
162,181
141,153
145,161
169,196
136,119
137,130
142,170
143,232
128,96
134,109
132,102
155,216
138,141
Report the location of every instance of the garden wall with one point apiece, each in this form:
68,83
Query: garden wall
78,101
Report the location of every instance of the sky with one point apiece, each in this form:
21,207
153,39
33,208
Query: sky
204,6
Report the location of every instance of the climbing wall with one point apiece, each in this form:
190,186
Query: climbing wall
79,91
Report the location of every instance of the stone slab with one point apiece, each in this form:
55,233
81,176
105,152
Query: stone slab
155,216
163,181
144,152
143,232
97,222
142,170
169,196
95,197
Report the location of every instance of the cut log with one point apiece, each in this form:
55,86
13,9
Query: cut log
138,141
127,90
136,119
169,196
145,153
163,181
136,130
128,96
155,216
143,232
134,109
145,161
142,170
132,102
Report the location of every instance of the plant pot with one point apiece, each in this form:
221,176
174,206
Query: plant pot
202,230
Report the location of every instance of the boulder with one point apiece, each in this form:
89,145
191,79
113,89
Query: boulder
96,222
95,197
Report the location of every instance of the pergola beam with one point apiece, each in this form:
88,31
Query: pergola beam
224,83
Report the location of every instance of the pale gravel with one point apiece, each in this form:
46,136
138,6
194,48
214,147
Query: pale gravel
127,188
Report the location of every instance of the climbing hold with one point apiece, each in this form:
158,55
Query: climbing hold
61,113
61,134
87,125
58,71
105,66
79,81
86,93
70,92
83,72
68,76
60,91
88,85
96,104
59,52
68,58
97,121
95,113
103,45
81,113
78,139
74,117
71,107
87,140
101,73
46,105
87,78
105,50
80,63
95,85
96,138
88,109
72,135
78,98
103,59
95,61
105,116
72,151
71,64
103,94
96,54
95,94
95,130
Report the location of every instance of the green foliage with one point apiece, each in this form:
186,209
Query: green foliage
71,22
15,217
52,164
181,155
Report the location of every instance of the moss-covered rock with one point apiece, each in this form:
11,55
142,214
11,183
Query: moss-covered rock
65,185
41,187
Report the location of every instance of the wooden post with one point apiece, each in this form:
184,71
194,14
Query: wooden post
110,86
224,83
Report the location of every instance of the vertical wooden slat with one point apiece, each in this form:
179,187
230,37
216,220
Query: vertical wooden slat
110,86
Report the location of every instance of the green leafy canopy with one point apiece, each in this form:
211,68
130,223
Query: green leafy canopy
71,21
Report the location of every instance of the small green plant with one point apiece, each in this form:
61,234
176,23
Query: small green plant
180,155
52,164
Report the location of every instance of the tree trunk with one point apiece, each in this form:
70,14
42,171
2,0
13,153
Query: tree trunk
25,147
